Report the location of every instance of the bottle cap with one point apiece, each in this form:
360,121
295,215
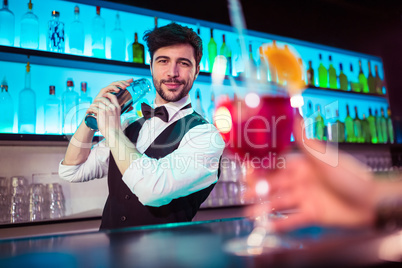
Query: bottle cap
98,10
84,87
70,82
4,85
30,5
55,13
52,90
76,10
28,67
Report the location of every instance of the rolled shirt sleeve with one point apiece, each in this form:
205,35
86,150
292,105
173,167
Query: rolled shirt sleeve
95,167
192,167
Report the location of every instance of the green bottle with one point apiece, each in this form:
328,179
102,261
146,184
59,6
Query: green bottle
378,126
309,121
212,51
138,50
362,79
349,126
390,127
373,127
357,124
383,123
343,80
378,82
332,75
337,130
322,74
366,130
227,53
354,86
371,80
319,125
310,74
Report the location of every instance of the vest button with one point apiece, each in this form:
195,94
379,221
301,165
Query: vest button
123,218
127,197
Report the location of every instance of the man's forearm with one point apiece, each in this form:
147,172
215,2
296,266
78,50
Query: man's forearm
80,146
123,150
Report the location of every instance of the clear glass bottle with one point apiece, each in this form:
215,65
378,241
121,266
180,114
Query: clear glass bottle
371,80
211,109
7,25
27,106
343,80
319,128
85,101
378,82
138,51
362,79
322,74
204,62
69,108
118,41
357,126
55,37
252,73
309,121
354,85
6,109
76,39
212,51
198,104
238,60
29,37
52,112
98,35
227,53
332,78
340,129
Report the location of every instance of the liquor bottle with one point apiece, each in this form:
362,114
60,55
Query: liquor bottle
263,66
138,50
310,74
6,109
118,44
84,102
343,80
211,109
340,129
383,124
77,34
378,82
309,121
155,22
332,75
319,128
357,124
322,74
390,127
354,86
227,53
29,37
52,112
55,34
198,104
203,62
379,127
98,35
373,127
362,79
303,74
7,25
349,126
366,130
212,52
238,60
69,108
252,73
27,106
370,80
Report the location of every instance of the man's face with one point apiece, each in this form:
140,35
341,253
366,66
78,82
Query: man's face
173,71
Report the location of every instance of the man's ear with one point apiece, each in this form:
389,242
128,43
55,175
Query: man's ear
150,66
197,71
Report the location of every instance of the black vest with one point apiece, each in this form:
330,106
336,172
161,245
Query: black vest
123,209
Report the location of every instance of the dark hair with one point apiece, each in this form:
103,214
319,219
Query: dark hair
173,34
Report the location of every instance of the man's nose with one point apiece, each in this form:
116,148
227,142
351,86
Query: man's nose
173,70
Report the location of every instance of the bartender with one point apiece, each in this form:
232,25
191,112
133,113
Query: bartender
161,167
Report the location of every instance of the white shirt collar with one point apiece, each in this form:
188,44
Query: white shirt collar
174,107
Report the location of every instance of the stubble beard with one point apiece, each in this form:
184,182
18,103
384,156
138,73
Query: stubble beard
158,86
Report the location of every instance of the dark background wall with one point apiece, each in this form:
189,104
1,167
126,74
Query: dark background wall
367,26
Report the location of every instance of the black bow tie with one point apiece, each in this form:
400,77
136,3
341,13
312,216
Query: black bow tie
160,112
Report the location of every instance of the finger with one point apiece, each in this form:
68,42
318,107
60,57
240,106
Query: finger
291,221
285,201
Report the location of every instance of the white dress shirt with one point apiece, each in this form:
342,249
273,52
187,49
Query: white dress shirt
192,167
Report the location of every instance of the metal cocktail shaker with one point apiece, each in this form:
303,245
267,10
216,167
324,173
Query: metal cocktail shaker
126,97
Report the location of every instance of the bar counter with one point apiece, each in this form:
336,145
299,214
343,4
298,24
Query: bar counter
218,243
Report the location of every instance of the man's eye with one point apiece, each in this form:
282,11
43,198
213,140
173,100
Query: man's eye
162,61
185,63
